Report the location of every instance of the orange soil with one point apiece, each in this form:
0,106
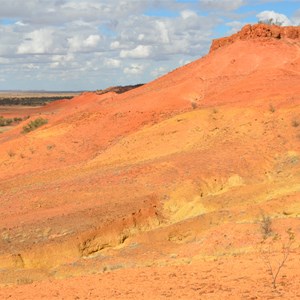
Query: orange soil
167,182
221,279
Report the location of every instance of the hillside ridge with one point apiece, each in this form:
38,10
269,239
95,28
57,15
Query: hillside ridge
258,31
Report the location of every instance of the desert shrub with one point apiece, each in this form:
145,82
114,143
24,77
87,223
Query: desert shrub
16,119
9,121
271,108
266,226
34,125
50,146
272,245
5,121
194,105
11,153
295,123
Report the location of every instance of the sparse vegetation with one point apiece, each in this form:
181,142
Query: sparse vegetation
194,105
271,244
11,153
34,125
295,123
9,121
5,121
271,108
118,89
266,226
50,147
31,101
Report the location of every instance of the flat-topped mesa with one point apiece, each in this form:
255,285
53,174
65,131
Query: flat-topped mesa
258,31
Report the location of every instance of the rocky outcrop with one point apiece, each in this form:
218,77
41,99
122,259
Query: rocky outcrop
258,31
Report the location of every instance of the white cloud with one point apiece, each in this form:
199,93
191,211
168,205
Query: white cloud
141,51
158,71
141,36
92,38
225,5
78,43
113,63
296,18
62,61
63,58
20,23
54,65
37,42
188,14
92,41
183,62
31,66
4,60
235,26
276,18
134,69
106,41
163,31
114,45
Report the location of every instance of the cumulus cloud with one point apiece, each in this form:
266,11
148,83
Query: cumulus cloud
273,17
158,71
163,32
141,51
20,23
62,61
227,5
188,14
37,42
78,43
113,63
89,37
114,45
92,44
134,69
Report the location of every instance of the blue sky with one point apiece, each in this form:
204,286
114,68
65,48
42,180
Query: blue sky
92,44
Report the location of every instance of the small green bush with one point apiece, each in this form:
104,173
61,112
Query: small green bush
9,121
16,119
5,122
34,125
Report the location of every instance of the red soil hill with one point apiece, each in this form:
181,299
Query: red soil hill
175,172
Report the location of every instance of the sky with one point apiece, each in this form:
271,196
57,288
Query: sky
93,44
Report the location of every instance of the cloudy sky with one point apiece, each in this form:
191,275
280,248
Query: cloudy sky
93,44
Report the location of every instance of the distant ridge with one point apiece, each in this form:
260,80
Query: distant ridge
42,91
118,89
